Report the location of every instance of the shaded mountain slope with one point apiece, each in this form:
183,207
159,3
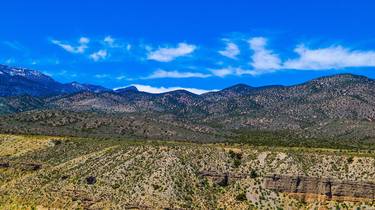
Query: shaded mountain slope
19,104
20,81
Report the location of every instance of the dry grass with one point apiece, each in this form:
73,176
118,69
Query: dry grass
160,174
12,145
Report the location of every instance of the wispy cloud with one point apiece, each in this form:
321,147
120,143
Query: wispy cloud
231,50
263,59
223,72
101,76
334,57
169,54
175,74
76,49
111,42
99,55
14,45
230,71
151,89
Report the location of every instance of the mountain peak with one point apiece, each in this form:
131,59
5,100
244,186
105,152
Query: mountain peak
179,93
21,81
239,86
127,89
238,89
28,74
339,79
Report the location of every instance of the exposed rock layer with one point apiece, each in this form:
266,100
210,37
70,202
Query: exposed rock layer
312,188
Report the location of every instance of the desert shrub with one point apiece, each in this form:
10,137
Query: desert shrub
236,158
350,160
241,197
236,163
235,155
116,186
156,187
253,174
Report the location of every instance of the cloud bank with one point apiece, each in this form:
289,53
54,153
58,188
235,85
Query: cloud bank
176,74
260,58
151,89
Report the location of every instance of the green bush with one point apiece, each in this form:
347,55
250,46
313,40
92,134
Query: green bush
241,197
253,174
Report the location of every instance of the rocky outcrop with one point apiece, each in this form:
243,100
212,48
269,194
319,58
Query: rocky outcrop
4,165
29,166
313,188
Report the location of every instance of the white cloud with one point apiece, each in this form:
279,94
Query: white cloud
121,77
79,49
263,59
101,76
100,55
84,40
231,50
223,72
176,74
109,40
253,72
169,54
150,89
334,57
14,45
235,71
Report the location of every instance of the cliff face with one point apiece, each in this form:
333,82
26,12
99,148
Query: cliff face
304,187
313,188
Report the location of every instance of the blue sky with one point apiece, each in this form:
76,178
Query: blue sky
204,45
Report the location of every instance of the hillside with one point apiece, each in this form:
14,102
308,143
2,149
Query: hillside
303,146
333,107
79,173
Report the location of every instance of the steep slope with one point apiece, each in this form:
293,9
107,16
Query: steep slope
20,81
78,87
14,104
311,106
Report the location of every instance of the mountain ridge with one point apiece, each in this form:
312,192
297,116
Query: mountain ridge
74,87
338,106
15,81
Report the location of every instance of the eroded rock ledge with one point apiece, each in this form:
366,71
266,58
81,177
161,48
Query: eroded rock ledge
314,188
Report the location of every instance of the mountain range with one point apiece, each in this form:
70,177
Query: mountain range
20,81
333,107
